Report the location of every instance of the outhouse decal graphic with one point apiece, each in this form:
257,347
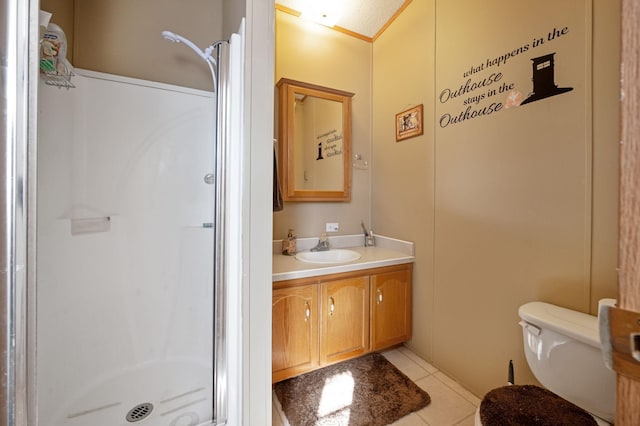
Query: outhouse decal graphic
329,144
543,80
519,75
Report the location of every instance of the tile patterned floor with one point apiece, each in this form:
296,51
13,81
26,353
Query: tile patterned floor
451,404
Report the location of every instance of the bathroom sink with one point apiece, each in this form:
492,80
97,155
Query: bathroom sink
329,256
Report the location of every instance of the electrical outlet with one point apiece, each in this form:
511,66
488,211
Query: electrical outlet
332,227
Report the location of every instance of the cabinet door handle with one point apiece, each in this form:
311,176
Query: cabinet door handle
307,311
332,306
379,298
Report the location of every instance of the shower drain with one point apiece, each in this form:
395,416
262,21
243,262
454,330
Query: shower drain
139,412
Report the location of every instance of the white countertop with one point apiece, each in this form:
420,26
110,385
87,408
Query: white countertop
387,252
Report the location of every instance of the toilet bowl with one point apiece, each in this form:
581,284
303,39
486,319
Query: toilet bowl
562,348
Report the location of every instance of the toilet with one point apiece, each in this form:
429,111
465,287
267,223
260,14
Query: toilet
562,348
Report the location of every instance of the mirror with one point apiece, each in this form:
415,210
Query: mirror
314,142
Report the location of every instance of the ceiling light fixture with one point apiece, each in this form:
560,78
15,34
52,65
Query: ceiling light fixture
324,13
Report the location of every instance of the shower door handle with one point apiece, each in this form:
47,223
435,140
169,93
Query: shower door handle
209,179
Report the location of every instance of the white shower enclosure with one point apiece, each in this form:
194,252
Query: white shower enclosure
76,347
125,253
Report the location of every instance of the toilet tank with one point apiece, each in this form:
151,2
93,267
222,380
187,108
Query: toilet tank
562,348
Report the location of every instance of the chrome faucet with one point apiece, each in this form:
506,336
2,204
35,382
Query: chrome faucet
369,240
323,243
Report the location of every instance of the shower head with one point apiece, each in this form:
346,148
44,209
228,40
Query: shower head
176,38
168,35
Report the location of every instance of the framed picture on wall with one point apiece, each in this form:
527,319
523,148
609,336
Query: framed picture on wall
409,123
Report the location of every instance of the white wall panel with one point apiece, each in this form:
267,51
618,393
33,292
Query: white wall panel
125,315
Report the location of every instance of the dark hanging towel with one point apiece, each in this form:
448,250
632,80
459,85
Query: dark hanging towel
278,204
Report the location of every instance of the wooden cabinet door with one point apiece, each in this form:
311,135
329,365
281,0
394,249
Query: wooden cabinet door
390,308
345,319
294,331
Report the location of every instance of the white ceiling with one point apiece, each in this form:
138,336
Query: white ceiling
365,17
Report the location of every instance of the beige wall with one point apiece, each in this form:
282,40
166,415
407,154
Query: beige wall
233,12
123,37
403,172
483,246
606,122
512,194
315,54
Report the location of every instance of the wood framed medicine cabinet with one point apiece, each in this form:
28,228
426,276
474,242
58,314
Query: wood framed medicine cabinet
314,142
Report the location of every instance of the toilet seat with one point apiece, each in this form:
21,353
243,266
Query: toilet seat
519,405
478,422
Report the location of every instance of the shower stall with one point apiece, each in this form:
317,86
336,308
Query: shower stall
136,229
91,331
125,250
132,312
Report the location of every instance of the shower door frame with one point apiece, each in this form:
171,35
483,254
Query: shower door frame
17,301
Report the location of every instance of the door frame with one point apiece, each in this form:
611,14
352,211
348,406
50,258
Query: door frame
628,389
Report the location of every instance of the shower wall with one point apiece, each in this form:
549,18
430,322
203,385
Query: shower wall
125,253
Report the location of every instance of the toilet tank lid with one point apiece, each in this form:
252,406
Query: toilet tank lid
577,325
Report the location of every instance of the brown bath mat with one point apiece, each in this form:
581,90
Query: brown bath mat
366,391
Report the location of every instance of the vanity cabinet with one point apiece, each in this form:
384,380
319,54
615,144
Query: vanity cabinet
325,319
345,319
390,308
294,331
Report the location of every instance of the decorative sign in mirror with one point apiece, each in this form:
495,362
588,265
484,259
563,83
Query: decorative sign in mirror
314,142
